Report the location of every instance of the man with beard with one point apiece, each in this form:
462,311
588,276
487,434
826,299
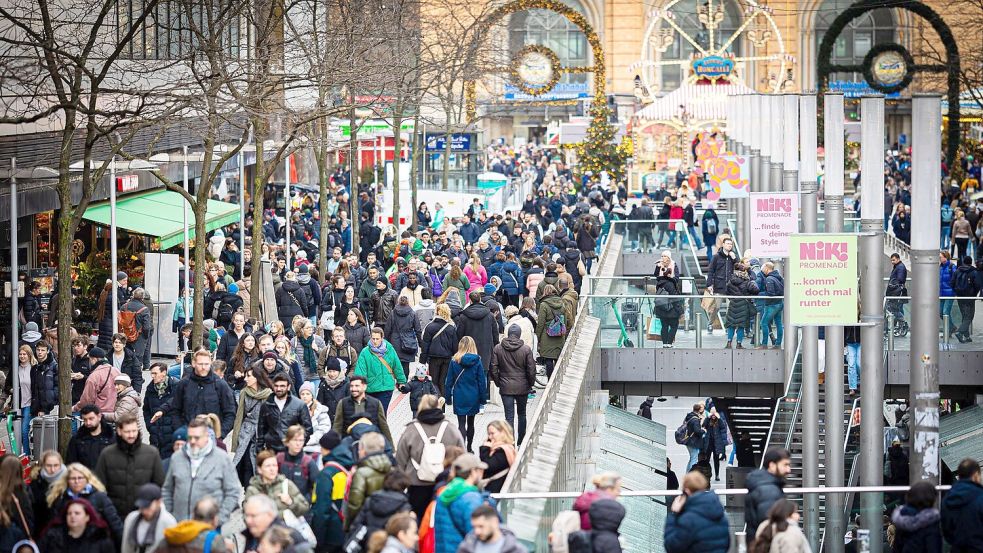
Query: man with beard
360,405
764,486
487,531
144,527
201,394
92,437
128,464
197,470
278,413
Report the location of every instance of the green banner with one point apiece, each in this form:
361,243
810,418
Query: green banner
822,274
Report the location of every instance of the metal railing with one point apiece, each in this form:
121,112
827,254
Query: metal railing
793,389
728,491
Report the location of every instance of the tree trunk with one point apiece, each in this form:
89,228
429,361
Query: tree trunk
255,290
355,210
321,155
66,233
414,164
200,211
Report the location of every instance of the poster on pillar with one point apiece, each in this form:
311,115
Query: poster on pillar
730,177
774,218
822,276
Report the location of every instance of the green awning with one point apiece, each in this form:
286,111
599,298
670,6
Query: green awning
160,213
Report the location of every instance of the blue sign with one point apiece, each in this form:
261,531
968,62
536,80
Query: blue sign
562,91
713,67
459,142
850,89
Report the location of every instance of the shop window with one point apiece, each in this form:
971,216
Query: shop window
857,38
554,31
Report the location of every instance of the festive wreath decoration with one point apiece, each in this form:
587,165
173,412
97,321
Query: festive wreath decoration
515,67
872,79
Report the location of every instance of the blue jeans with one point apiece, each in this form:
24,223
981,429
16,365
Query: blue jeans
25,430
945,308
853,365
772,313
384,397
946,234
694,456
696,239
730,336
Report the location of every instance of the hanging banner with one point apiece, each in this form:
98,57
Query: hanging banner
774,218
730,177
822,274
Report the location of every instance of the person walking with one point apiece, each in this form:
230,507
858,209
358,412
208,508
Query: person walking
947,270
513,370
197,470
243,442
607,485
143,324
668,309
487,533
438,345
292,299
269,482
159,391
368,475
306,345
774,289
916,523
125,360
403,331
466,386
695,437
765,486
717,440
422,434
94,435
358,405
962,509
25,368
966,284
144,528
279,412
79,482
780,532
327,500
78,528
453,507
378,363
200,394
128,464
740,310
477,322
696,519
551,327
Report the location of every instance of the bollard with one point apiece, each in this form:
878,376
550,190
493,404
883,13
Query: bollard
945,329
699,324
756,331
890,331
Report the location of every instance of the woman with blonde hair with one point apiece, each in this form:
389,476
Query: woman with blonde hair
476,273
430,422
78,482
48,469
285,350
25,368
466,386
607,485
498,453
439,344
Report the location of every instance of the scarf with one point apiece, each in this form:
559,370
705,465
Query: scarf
509,450
334,382
310,358
380,351
258,395
161,388
49,478
197,458
87,490
149,538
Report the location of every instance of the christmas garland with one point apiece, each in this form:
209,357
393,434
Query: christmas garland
868,68
517,62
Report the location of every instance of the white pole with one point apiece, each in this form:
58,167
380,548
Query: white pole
187,253
14,281
242,213
286,210
112,242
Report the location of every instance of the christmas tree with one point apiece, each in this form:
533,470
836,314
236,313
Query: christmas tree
599,151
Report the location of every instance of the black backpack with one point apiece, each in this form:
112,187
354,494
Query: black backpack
962,283
222,311
580,542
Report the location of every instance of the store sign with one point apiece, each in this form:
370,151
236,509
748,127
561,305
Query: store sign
822,279
730,176
850,89
713,67
127,183
374,127
561,91
774,218
889,68
459,142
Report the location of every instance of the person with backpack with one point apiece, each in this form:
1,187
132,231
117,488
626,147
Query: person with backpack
668,309
328,496
136,324
774,289
295,464
966,284
551,327
947,216
438,345
513,370
380,507
420,452
691,434
606,516
696,519
403,332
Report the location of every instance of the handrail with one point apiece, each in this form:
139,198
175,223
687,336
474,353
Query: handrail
853,469
778,402
727,491
696,258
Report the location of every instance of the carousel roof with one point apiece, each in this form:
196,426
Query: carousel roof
703,102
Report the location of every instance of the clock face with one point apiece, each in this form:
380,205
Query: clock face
889,68
535,69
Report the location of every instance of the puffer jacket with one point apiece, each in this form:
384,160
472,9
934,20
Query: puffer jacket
162,431
671,307
367,479
128,402
329,395
511,275
358,336
125,467
273,423
700,526
534,277
328,497
379,507
298,503
321,420
403,332
916,531
550,346
466,385
452,514
85,448
379,377
946,271
410,447
513,367
291,300
740,311
102,505
583,503
962,516
197,395
764,489
605,520
383,303
445,345
44,386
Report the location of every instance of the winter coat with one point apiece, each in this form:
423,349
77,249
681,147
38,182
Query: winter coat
102,505
513,367
216,476
162,431
764,489
962,516
358,336
411,444
273,423
367,479
720,270
369,408
452,514
700,526
44,386
425,311
550,346
466,385
671,307
124,468
198,395
321,420
383,303
534,277
341,309
413,295
417,388
528,335
498,466
740,311
318,344
165,520
292,299
716,435
128,402
946,273
403,331
378,508
245,430
85,448
365,292
383,374
478,322
605,519
38,492
510,544
792,540
93,540
100,389
299,504
694,428
478,279
916,531
445,345
328,497
329,397
511,275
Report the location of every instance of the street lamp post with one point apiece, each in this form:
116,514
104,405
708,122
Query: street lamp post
779,119
872,314
924,360
112,243
286,208
187,251
14,281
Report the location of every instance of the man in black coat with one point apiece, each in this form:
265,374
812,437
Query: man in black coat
200,394
962,510
128,464
477,321
513,370
722,267
279,412
92,437
292,299
159,392
764,487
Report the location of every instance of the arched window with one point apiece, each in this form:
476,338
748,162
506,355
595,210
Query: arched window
686,15
556,32
857,38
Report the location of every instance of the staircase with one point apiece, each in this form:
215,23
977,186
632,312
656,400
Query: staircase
751,415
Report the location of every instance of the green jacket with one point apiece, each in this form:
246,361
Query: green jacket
380,378
462,284
299,504
550,346
366,480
